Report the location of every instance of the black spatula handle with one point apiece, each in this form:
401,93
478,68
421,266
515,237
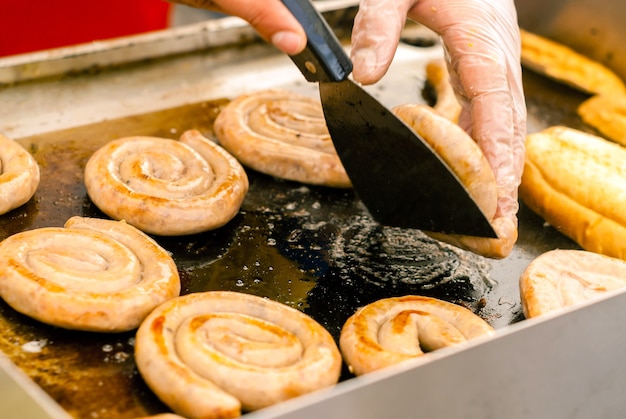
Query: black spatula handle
324,59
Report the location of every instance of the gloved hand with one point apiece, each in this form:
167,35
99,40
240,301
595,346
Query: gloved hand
271,19
482,44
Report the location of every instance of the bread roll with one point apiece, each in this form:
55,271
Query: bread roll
162,416
19,175
562,278
607,114
577,183
281,134
567,66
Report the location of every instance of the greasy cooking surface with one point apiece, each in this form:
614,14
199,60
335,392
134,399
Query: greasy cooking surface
312,248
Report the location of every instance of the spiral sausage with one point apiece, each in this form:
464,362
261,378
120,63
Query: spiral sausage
94,275
392,330
281,134
166,187
208,355
467,161
446,102
19,175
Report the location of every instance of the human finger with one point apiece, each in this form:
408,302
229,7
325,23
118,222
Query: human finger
270,18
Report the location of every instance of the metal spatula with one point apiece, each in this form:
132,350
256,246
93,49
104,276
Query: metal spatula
395,173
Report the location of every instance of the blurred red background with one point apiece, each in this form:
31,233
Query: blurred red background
31,25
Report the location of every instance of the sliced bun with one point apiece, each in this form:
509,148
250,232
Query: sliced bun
577,183
561,278
607,114
567,66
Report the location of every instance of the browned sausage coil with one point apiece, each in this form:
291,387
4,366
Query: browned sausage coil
167,187
92,274
212,354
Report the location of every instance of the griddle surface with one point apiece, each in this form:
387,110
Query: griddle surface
313,248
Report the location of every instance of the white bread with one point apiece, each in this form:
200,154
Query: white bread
577,183
607,114
567,66
561,278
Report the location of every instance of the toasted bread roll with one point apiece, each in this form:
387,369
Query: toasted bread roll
577,183
392,330
281,134
567,66
19,175
562,278
607,114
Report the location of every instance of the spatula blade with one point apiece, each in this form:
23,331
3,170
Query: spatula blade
397,175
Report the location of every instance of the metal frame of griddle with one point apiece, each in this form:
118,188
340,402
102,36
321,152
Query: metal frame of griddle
567,365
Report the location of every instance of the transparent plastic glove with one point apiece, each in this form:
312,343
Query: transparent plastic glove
482,43
271,19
